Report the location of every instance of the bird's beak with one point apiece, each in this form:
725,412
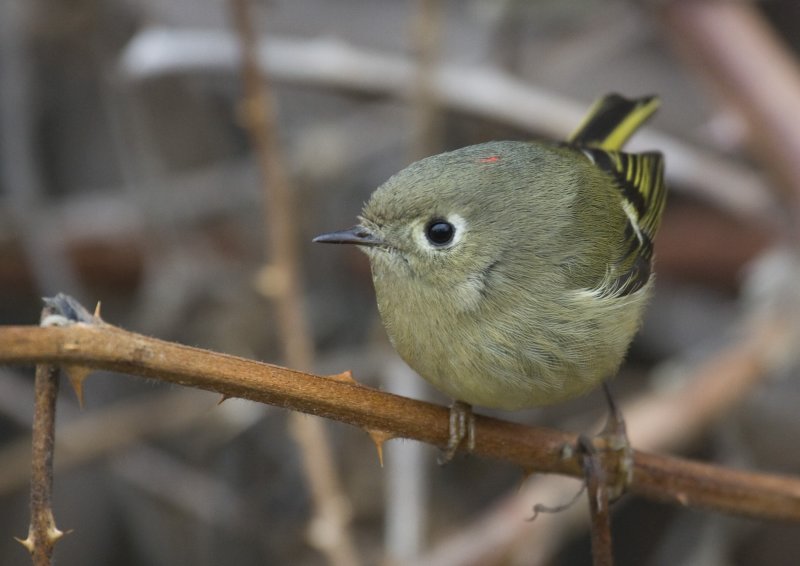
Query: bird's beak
357,235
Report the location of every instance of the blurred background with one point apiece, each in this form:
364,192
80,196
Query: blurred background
144,149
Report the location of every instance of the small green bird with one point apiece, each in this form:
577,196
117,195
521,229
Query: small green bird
514,274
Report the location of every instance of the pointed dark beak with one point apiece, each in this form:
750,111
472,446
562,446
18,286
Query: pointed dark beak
355,235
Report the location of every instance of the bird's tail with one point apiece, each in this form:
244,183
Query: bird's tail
612,120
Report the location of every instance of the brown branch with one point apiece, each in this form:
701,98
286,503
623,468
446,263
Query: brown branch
42,532
660,478
281,281
427,32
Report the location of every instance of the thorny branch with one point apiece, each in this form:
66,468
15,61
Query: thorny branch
660,478
42,532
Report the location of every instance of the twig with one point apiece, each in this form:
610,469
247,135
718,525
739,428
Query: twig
42,532
427,116
660,478
281,281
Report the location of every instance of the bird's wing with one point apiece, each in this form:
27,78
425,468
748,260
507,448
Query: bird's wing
640,181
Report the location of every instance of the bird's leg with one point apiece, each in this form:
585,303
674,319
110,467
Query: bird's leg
607,461
462,427
614,440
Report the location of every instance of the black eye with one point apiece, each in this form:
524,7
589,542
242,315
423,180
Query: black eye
440,232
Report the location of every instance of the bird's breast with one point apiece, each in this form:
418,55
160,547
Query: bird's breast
509,352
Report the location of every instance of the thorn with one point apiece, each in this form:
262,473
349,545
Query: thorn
77,374
53,533
28,542
96,315
222,399
379,437
344,377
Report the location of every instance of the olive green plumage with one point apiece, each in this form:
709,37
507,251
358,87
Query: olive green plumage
514,274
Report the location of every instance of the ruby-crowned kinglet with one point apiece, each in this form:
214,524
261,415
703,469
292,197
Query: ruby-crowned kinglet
513,274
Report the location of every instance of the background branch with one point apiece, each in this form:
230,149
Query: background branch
763,87
475,90
280,280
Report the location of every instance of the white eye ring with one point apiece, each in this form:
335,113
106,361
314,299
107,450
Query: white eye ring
434,235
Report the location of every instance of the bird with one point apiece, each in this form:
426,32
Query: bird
514,274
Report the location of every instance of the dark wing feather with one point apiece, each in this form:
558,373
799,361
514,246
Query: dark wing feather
640,181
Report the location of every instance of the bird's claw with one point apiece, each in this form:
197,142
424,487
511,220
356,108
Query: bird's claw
462,428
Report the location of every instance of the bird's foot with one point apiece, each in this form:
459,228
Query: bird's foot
607,461
462,429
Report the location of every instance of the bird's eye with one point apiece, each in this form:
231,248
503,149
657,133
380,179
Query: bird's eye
439,232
